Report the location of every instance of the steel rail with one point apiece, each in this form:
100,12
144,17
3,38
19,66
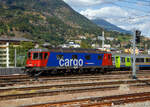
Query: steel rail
98,101
64,91
114,82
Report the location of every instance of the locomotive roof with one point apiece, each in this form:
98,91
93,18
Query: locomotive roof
38,50
69,50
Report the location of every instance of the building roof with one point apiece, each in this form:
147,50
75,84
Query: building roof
15,40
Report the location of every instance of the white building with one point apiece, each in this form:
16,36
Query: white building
71,44
4,49
110,38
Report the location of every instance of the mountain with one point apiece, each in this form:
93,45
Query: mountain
52,21
108,26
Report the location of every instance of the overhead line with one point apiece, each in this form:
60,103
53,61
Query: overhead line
131,8
132,2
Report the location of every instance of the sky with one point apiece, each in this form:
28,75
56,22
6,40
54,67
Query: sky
126,14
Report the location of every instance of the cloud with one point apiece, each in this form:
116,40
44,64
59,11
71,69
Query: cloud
106,12
86,3
122,18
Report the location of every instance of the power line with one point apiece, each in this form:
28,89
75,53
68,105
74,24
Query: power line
132,2
131,8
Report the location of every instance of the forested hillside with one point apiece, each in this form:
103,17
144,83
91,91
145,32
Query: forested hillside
44,20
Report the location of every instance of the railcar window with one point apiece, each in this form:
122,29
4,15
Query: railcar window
139,59
87,57
99,57
74,57
46,56
122,59
59,57
147,59
29,55
35,56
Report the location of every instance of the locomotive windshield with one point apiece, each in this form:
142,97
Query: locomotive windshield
37,56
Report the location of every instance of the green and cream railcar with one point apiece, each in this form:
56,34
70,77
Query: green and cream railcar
124,61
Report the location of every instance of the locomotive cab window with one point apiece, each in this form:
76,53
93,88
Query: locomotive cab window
74,57
46,56
41,55
109,57
88,57
59,57
35,56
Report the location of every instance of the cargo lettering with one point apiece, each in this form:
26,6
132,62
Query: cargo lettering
71,62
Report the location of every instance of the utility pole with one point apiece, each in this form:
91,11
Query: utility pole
15,58
134,57
136,40
103,40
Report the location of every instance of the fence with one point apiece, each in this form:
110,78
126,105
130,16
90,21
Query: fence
11,71
13,57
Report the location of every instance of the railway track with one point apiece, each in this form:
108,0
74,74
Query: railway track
41,80
98,101
23,76
51,90
9,77
8,81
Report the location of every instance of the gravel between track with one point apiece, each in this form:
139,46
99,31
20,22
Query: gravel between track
35,100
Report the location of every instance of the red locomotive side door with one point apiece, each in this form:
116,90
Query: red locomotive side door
107,60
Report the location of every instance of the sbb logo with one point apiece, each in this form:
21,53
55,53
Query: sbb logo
70,62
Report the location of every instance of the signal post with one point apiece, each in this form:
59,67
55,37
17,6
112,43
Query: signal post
136,40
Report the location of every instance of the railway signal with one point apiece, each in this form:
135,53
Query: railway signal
137,33
136,39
